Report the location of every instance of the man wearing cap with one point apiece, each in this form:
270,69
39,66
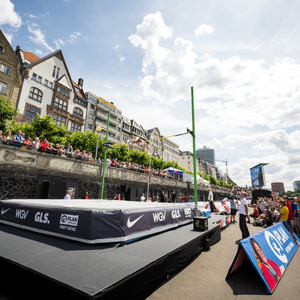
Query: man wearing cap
243,215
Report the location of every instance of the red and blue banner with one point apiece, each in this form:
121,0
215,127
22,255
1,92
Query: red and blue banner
269,251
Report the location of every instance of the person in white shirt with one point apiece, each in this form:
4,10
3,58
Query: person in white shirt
211,200
243,215
143,198
68,195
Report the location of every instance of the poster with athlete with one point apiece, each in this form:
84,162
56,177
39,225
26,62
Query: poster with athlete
269,251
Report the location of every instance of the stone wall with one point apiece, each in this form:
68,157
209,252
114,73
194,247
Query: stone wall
33,175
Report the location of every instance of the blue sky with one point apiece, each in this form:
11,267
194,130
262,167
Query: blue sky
241,57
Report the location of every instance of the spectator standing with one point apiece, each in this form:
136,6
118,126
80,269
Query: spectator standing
143,198
284,212
44,145
211,200
275,213
117,197
162,197
243,215
86,196
68,195
8,137
67,149
232,210
295,214
173,196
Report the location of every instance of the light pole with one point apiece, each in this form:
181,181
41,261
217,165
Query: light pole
98,129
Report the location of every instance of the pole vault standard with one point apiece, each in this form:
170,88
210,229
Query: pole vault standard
196,209
104,161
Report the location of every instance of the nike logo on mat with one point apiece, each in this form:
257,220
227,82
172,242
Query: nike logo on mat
4,211
131,223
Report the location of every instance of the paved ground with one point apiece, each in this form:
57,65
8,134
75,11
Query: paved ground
204,278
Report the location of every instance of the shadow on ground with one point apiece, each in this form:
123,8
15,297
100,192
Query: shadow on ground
246,281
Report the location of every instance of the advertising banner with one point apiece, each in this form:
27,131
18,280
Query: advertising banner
269,251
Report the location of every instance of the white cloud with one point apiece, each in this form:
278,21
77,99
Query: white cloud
8,14
8,36
116,47
204,29
73,37
38,37
39,52
122,59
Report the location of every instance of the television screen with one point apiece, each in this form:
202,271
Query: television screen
257,176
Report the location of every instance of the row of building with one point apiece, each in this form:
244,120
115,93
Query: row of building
44,86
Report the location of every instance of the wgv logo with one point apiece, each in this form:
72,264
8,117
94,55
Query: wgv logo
21,214
159,217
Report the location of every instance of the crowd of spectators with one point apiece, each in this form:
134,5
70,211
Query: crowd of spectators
278,209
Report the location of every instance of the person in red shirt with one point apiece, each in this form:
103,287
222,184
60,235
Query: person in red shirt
291,216
255,212
44,146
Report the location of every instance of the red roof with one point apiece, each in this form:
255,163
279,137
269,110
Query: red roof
30,56
80,94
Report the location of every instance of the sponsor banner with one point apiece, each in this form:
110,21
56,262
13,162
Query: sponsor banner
59,221
95,225
219,206
269,251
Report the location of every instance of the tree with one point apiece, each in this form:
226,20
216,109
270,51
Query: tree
7,112
43,128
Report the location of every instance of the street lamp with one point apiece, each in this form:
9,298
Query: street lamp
98,129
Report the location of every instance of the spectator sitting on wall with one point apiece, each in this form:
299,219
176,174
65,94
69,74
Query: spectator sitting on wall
44,145
61,151
108,161
55,149
275,213
89,156
67,149
18,139
26,143
35,144
8,137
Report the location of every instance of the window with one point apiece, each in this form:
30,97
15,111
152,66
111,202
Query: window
50,85
67,93
35,94
91,116
92,106
46,82
60,103
57,73
90,126
7,72
34,76
31,112
78,112
1,49
59,119
3,87
125,126
62,91
2,68
58,89
75,127
40,79
53,73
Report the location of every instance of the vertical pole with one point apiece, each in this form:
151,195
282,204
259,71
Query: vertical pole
194,151
104,161
96,154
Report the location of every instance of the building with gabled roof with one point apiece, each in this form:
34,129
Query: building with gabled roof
10,77
48,89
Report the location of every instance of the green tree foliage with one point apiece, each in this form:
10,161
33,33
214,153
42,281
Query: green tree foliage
43,128
7,113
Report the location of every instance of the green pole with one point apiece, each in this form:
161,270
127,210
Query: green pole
104,161
194,150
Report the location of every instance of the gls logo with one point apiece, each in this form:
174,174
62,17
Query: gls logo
71,220
176,214
159,217
21,214
42,218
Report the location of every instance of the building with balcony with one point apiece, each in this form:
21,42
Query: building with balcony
47,89
170,150
10,76
97,115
